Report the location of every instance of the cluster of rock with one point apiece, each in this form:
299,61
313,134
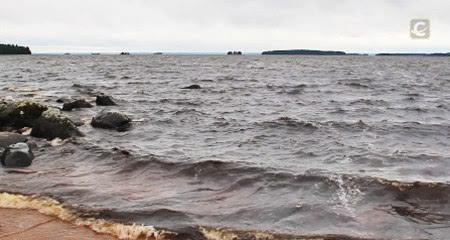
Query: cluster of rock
234,53
48,123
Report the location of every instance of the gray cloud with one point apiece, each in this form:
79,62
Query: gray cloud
220,25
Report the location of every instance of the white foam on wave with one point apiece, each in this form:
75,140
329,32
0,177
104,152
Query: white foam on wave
53,208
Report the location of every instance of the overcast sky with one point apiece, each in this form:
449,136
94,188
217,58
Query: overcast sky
221,25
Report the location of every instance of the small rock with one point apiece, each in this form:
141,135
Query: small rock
104,100
17,155
8,138
52,124
62,100
195,86
80,103
111,120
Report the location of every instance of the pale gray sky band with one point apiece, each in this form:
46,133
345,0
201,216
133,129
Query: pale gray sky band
220,25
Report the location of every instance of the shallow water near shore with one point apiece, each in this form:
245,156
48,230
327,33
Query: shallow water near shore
353,145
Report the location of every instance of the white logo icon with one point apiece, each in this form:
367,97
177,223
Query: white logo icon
420,28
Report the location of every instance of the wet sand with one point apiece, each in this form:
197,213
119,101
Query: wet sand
30,224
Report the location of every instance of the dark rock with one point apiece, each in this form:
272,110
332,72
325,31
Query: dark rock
104,100
111,120
62,100
8,138
17,155
52,124
234,53
20,114
80,103
195,86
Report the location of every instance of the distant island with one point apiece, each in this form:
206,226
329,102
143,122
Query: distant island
302,52
415,54
234,53
7,49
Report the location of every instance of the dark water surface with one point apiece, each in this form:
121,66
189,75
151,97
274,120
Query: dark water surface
298,145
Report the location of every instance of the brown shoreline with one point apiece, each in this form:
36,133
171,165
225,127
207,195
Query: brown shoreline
39,218
20,214
23,224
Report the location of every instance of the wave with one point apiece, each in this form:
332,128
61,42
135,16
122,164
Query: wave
409,128
53,208
356,85
158,215
94,221
85,89
370,102
241,175
287,122
212,233
188,111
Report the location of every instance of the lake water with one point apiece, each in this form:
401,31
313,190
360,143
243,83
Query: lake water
353,145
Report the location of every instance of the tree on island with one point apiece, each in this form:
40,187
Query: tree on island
13,49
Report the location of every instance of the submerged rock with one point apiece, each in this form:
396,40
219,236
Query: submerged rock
8,138
20,114
195,86
62,100
104,100
52,124
111,120
80,103
17,155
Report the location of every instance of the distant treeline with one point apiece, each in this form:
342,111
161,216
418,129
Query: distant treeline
302,52
13,49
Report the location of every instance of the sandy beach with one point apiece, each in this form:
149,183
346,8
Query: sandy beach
30,224
31,217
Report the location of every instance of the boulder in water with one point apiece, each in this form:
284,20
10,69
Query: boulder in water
80,103
194,86
20,114
111,120
104,100
52,124
17,155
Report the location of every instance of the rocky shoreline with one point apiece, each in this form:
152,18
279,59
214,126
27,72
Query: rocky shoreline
18,119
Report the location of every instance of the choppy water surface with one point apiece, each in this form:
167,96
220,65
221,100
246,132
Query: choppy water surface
296,145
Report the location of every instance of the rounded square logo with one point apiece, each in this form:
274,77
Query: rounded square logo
419,29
